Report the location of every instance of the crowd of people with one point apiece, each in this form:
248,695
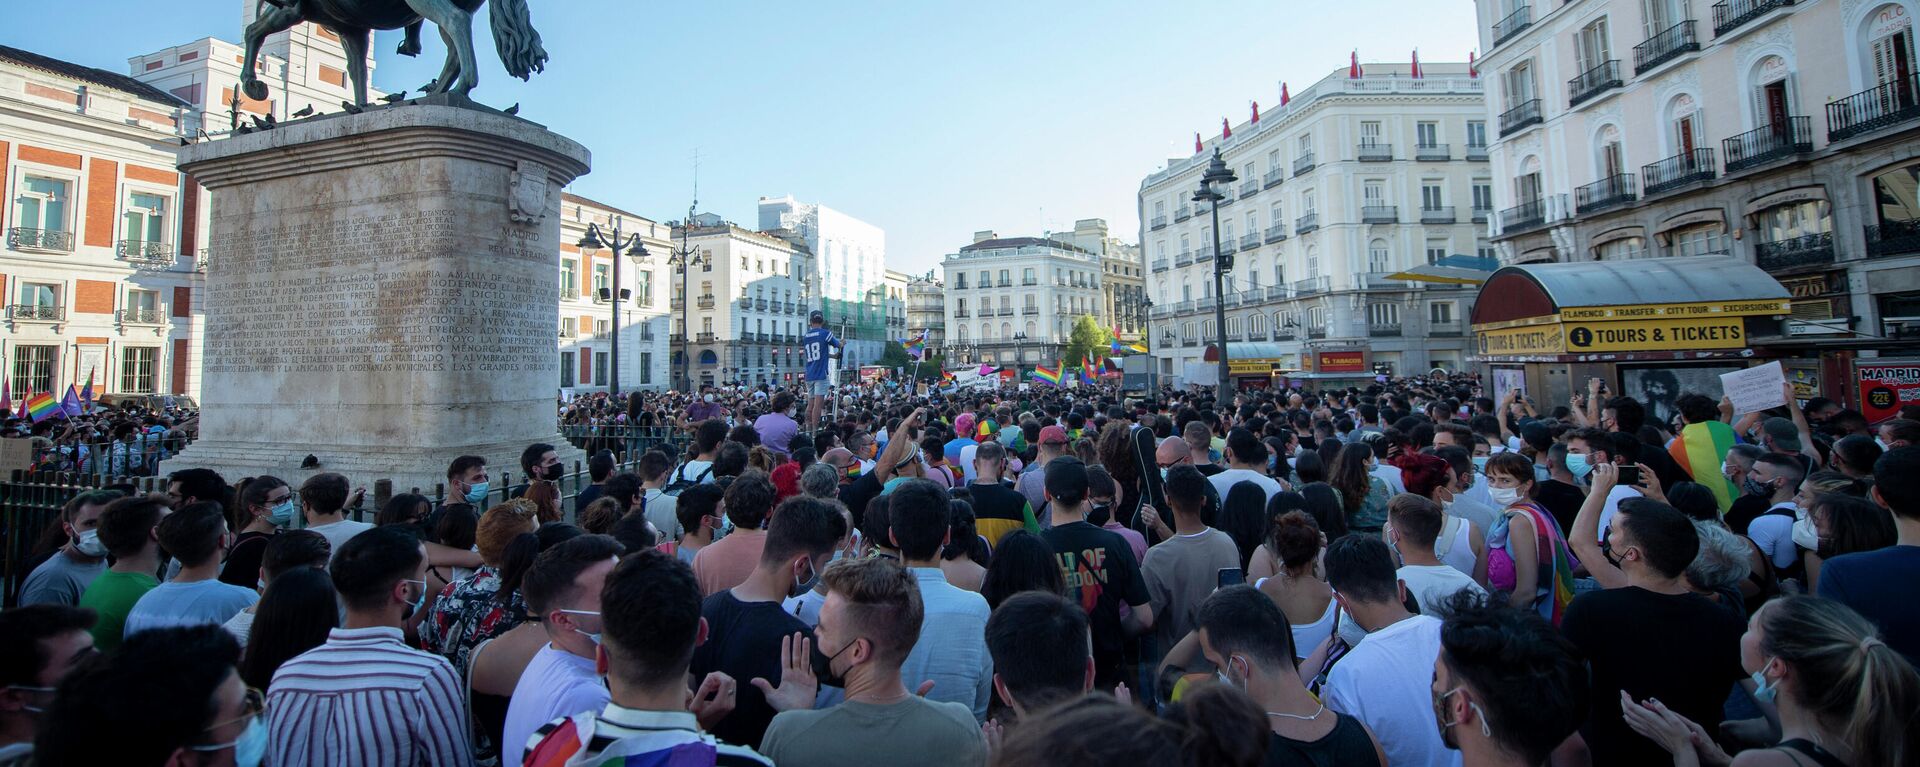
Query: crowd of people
1411,573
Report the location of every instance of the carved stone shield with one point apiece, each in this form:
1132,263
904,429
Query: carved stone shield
527,199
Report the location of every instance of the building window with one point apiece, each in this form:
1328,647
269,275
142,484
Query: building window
41,204
1476,133
1592,45
1027,277
599,368
1369,132
1431,197
1621,249
1440,312
1802,219
602,279
142,305
32,369
1487,251
39,295
146,218
566,369
569,277
1378,259
569,327
139,367
1383,314
1483,195
1700,240
1427,133
1436,250
646,368
1898,192
1233,326
643,287
1306,145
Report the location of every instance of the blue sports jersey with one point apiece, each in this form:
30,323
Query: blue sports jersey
814,344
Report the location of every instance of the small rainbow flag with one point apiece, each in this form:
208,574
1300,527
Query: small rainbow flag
1086,370
86,395
1046,375
43,406
1114,346
1137,347
916,345
946,376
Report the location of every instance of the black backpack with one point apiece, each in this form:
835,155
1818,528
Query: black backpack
680,481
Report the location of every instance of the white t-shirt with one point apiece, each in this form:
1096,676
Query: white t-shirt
337,533
1614,497
188,604
1387,683
1773,533
556,683
1224,481
1391,476
240,626
1432,585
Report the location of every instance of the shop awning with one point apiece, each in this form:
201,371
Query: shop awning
1664,304
1452,270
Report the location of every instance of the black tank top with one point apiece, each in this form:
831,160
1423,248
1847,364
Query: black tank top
1347,745
1801,746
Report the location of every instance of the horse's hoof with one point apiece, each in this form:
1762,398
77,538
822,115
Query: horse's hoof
254,89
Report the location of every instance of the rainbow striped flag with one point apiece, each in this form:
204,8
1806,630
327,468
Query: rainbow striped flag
916,345
946,376
43,406
1086,370
1700,449
1137,347
1046,375
1114,347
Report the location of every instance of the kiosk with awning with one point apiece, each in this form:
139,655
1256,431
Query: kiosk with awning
1651,328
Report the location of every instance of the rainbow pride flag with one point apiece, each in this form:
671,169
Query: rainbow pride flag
1087,368
43,406
1137,347
916,345
1046,375
1700,450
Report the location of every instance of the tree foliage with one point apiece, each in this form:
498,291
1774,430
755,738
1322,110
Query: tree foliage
1087,336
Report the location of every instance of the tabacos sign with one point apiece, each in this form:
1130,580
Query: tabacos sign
1885,387
1341,362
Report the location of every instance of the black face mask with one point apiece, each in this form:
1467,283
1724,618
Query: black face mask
823,666
555,472
1099,513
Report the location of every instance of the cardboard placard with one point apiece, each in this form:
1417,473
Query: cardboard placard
1756,388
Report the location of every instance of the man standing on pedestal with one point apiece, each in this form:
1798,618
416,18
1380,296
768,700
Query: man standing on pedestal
815,344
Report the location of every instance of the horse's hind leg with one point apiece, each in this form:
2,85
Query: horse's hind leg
276,19
456,27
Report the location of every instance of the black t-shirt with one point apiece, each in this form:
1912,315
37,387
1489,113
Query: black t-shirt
1209,469
243,560
1101,575
743,640
1745,509
856,495
587,496
1562,501
1682,649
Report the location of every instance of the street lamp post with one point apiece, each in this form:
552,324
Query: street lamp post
1218,177
616,295
685,260
1145,316
1019,352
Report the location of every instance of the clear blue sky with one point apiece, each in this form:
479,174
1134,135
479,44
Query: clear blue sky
929,119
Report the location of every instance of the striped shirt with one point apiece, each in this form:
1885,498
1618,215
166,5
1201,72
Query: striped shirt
365,699
636,736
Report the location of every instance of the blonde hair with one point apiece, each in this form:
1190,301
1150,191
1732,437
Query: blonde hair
1847,677
501,524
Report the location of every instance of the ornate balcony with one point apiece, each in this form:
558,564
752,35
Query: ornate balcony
1159,222
1768,143
1476,153
1729,15
1526,113
1182,213
1527,215
1250,188
705,338
1380,214
1893,238
1480,215
1185,258
1609,192
1874,109
1374,152
1249,241
1310,286
1666,46
1594,82
1161,265
1276,233
961,314
36,312
144,254
1273,178
1306,223
1513,24
1432,152
706,302
1303,164
140,317
1437,215
1383,329
1677,171
22,238
1794,252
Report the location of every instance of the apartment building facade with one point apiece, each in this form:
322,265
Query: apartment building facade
1777,132
1342,185
587,301
100,267
751,293
1013,301
1123,282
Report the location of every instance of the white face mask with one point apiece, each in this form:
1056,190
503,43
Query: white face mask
89,544
1504,496
1805,535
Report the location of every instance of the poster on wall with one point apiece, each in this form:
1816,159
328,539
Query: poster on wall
91,361
1885,387
1506,379
1657,387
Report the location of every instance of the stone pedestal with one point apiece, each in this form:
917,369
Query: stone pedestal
382,294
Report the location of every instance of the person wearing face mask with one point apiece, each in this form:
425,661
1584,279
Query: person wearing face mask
725,563
364,697
127,530
563,589
540,462
1775,478
266,507
1241,633
1492,716
1627,633
1526,555
749,622
1745,507
65,575
40,645
206,717
1383,681
467,481
1590,447
871,621
1844,696
197,537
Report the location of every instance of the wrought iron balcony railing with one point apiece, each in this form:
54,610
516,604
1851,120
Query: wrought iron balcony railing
1513,24
1594,82
36,312
21,237
144,253
1666,46
1677,171
1441,214
1794,252
1767,143
1379,214
1874,109
1610,192
1729,15
1302,164
1306,223
1375,152
1432,152
1521,116
1526,215
1893,238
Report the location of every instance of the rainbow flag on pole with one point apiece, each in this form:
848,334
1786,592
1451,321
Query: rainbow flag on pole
43,406
1087,368
1046,375
916,345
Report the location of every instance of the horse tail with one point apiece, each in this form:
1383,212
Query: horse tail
515,38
